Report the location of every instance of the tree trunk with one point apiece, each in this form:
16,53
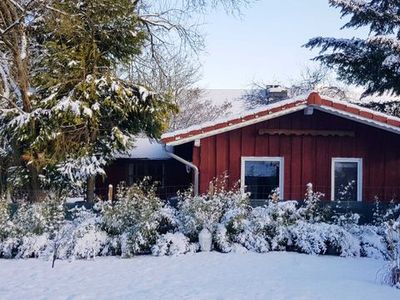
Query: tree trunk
91,183
35,193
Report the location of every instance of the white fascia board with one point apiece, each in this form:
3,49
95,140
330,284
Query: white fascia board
359,119
237,126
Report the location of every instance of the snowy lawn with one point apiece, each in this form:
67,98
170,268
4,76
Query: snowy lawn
275,275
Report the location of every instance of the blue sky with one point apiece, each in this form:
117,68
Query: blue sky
265,43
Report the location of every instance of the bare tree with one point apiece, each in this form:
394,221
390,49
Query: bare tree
318,79
173,26
177,78
195,108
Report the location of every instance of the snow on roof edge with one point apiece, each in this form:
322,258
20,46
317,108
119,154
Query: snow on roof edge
278,104
145,148
357,106
234,116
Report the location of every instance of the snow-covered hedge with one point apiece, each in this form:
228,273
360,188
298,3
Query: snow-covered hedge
139,222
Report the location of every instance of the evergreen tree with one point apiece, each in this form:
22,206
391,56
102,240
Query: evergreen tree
81,112
373,62
64,107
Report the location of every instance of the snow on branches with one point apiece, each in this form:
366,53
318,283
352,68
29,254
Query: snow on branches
374,61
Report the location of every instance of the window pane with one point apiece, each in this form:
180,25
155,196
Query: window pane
346,181
261,177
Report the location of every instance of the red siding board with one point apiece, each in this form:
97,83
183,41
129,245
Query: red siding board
286,151
222,158
234,157
203,166
248,137
273,139
295,166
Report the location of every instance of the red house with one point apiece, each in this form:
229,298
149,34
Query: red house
348,152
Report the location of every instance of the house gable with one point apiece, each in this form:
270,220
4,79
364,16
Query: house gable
307,157
331,106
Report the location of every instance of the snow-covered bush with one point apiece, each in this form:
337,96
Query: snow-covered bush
207,211
88,238
318,238
312,211
392,270
31,227
32,246
80,237
5,218
139,222
222,240
9,247
372,240
266,228
136,217
172,244
28,219
347,219
37,218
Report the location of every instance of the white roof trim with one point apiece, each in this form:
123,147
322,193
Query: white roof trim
357,118
236,126
364,109
300,106
233,117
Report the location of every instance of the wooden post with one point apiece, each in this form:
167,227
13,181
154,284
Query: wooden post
210,189
110,192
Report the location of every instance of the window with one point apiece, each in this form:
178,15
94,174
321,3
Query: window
144,168
346,179
261,175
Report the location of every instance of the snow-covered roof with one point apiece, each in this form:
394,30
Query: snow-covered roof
145,148
277,109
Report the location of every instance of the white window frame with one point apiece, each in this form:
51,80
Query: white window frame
359,162
279,159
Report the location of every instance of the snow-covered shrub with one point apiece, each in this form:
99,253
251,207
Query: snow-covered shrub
392,271
318,238
378,212
392,212
372,240
171,244
198,212
79,238
90,243
312,211
37,218
135,217
222,240
5,219
9,247
28,219
88,238
32,226
33,246
207,211
267,228
347,219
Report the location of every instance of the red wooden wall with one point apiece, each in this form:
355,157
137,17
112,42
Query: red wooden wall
307,158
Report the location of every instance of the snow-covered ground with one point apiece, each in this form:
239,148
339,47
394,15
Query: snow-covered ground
275,275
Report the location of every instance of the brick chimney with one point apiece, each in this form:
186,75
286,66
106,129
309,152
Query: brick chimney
275,93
